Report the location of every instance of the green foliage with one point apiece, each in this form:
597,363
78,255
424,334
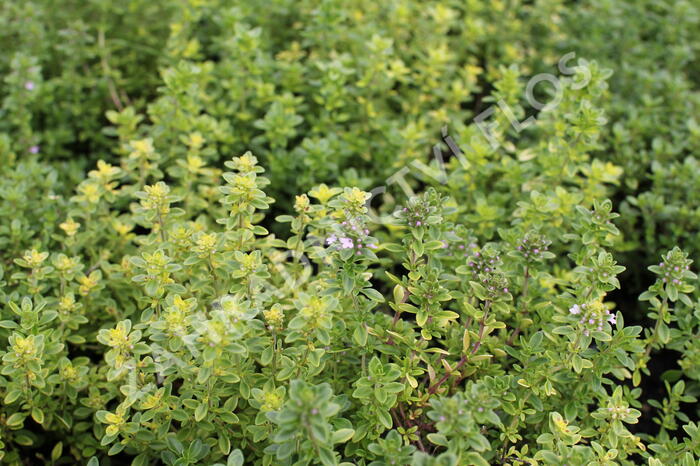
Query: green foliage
345,295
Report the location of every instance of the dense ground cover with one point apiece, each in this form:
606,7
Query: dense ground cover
399,232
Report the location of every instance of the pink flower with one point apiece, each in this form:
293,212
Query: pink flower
34,149
29,85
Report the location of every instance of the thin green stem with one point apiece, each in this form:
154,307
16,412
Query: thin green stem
654,334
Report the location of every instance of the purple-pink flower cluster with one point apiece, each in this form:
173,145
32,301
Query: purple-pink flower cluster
592,316
413,219
459,248
351,234
673,273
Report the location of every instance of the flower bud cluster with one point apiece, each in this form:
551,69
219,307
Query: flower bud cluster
157,198
674,266
415,217
618,412
481,261
205,244
421,211
495,283
534,247
274,317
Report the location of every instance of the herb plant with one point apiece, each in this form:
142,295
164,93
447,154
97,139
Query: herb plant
348,233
